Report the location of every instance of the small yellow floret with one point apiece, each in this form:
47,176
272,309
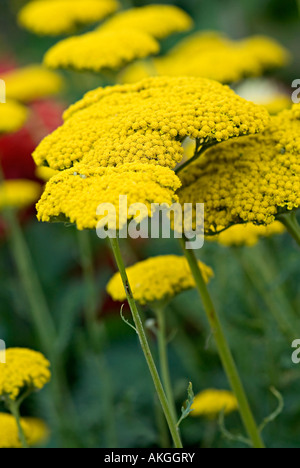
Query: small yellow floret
18,193
12,117
147,121
211,402
31,83
35,431
157,279
24,369
100,51
55,17
159,21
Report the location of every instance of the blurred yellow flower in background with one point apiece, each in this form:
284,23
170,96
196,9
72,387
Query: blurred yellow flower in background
18,193
45,173
35,431
157,279
55,17
24,370
31,83
211,402
247,234
12,117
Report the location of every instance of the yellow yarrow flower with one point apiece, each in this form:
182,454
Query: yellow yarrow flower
157,279
252,179
159,21
45,173
18,193
12,117
146,122
247,234
215,57
24,369
35,430
211,402
75,194
32,82
55,17
99,51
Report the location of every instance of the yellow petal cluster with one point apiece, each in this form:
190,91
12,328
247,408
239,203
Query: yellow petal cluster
251,179
247,234
24,369
146,122
55,17
35,431
12,117
157,279
213,56
18,193
75,194
159,21
101,50
31,82
211,402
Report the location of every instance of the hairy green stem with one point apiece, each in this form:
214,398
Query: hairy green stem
145,346
163,358
291,223
224,350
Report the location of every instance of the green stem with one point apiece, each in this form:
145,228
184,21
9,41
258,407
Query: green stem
224,350
199,150
14,408
291,223
163,358
145,346
97,333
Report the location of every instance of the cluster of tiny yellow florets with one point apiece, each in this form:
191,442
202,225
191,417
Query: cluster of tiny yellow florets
32,82
18,193
157,20
35,431
157,279
12,117
101,50
247,234
211,402
216,57
24,369
252,179
146,122
55,17
75,194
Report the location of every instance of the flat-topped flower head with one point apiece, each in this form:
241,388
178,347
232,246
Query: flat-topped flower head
101,51
12,117
147,122
252,179
75,194
247,234
24,370
159,21
56,17
35,431
211,402
31,83
18,193
216,57
157,279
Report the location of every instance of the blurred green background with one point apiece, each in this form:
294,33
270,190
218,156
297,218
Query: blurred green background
241,288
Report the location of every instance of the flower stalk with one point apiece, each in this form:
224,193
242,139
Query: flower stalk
224,350
145,346
291,223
